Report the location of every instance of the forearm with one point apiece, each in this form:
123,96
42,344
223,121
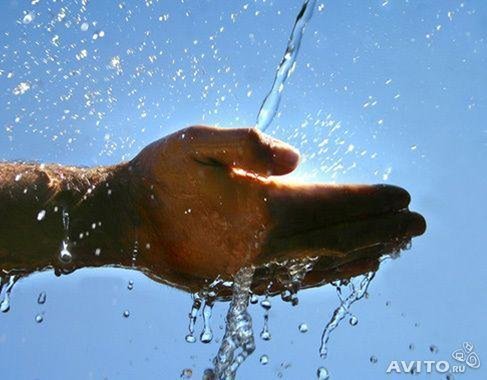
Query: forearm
97,226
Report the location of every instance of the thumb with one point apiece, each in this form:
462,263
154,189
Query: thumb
243,148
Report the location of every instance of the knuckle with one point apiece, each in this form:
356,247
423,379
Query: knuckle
254,135
258,143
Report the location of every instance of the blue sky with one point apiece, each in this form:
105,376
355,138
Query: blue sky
383,92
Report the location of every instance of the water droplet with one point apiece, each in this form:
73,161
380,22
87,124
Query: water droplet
254,299
411,346
18,177
41,215
186,373
265,335
190,338
126,313
434,349
373,359
42,298
84,26
28,18
5,304
353,320
322,374
449,376
65,255
266,304
39,318
264,359
303,327
130,285
21,88
207,335
97,252
209,374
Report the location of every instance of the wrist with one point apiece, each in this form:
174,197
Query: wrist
101,217
45,208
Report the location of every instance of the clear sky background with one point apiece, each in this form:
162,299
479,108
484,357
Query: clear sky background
384,91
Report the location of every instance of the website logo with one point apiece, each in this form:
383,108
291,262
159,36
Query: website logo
463,358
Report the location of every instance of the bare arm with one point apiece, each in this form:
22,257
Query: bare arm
33,200
199,203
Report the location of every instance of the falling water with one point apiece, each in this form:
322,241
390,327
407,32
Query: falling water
239,336
5,304
265,334
135,252
296,271
357,292
64,254
207,335
239,333
41,299
269,106
190,338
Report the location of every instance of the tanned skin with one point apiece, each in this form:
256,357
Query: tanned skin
199,203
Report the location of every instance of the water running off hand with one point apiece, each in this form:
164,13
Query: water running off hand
357,292
238,342
270,105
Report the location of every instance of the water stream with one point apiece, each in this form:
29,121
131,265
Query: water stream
357,292
5,303
270,105
238,342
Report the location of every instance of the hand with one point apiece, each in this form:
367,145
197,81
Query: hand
208,204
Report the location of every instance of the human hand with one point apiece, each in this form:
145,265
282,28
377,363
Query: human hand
209,204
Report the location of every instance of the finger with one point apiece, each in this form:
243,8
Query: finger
297,208
243,148
343,238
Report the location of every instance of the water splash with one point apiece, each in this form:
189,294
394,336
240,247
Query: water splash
239,336
5,303
296,271
357,292
269,106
